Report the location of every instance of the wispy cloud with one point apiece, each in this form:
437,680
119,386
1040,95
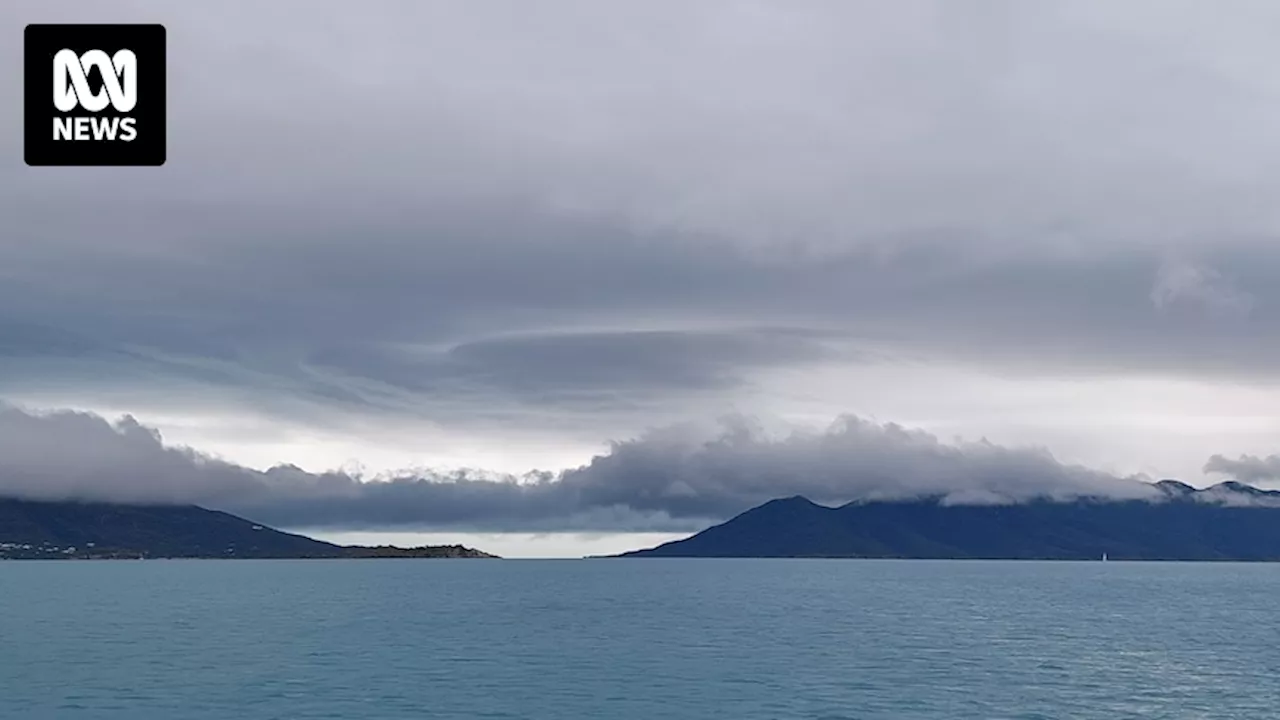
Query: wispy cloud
1181,281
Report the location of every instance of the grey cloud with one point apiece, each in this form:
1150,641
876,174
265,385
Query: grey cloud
492,184
835,119
1249,469
591,367
562,319
679,478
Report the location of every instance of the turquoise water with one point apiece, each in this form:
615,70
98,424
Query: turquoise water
564,640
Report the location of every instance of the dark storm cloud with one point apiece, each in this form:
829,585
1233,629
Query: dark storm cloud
385,323
493,208
556,367
674,479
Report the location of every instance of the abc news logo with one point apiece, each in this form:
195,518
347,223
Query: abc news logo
71,89
107,105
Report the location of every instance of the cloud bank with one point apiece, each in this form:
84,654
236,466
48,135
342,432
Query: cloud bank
674,479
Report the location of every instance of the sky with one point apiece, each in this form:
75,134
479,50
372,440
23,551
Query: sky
568,278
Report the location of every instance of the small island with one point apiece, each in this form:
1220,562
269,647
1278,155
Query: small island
423,551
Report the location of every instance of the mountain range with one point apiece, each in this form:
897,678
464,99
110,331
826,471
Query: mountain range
1230,521
84,530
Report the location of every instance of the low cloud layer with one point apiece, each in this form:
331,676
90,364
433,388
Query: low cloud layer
676,479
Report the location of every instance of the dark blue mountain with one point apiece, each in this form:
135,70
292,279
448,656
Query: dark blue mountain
89,530
1230,521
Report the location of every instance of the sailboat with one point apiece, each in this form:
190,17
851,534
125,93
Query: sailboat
1104,557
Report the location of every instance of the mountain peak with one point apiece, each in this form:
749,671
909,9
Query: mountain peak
1175,488
1238,487
792,500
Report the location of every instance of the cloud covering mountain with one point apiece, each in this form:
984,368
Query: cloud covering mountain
461,230
677,478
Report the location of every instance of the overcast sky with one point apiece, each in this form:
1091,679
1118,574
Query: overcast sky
608,268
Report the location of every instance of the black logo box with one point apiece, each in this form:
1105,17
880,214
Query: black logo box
42,42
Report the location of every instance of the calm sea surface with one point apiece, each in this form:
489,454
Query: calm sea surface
638,639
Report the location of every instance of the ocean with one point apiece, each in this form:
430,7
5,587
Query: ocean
637,640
